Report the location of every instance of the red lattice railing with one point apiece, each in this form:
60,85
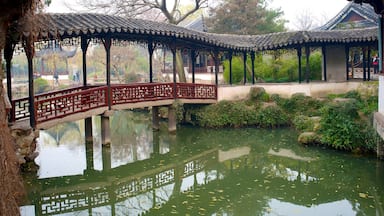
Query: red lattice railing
58,104
196,91
71,103
122,94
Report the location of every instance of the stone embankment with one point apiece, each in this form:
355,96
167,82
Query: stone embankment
25,141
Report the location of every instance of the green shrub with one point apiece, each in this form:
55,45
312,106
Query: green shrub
303,123
41,85
271,117
339,126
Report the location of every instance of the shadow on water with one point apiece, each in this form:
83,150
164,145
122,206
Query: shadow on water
196,172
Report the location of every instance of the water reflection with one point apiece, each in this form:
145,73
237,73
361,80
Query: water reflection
196,172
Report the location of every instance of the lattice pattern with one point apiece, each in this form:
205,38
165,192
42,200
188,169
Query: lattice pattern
63,202
165,177
138,93
20,109
66,102
62,104
196,91
134,187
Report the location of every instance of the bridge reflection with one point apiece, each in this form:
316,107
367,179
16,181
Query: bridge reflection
174,180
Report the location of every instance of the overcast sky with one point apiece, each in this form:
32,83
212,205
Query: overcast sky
320,10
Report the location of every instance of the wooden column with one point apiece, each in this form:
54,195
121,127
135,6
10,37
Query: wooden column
84,48
364,50
381,42
155,118
307,69
369,62
253,66
299,59
245,67
173,50
8,55
30,52
151,48
347,61
230,66
217,65
193,64
107,45
324,55
88,121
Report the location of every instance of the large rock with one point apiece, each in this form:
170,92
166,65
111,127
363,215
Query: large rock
308,138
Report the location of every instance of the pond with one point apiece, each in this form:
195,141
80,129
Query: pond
196,172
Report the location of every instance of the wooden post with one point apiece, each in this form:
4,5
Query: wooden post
347,61
173,50
324,54
217,65
364,63
245,67
193,64
30,52
107,45
253,66
230,66
151,48
307,71
369,62
299,59
8,55
84,48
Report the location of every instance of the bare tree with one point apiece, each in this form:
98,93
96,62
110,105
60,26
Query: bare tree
304,20
171,11
159,10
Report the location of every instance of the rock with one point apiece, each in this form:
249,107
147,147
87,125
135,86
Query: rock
307,138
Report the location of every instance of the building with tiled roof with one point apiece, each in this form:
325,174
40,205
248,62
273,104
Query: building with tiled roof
353,15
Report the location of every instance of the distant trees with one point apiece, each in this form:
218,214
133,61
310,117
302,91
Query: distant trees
245,17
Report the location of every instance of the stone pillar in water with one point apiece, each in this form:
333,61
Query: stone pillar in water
106,128
88,130
155,118
171,119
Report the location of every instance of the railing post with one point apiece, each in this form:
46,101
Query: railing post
151,48
253,66
299,59
173,49
245,67
107,45
30,52
230,66
84,47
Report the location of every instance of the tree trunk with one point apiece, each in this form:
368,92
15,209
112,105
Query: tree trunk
180,67
11,188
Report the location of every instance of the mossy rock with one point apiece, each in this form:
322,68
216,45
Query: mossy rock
256,93
308,138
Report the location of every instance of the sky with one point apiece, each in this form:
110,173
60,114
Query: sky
320,11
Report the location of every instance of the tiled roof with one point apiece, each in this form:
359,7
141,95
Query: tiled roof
364,10
61,26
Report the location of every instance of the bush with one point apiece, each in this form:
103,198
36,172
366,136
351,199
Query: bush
41,85
271,117
339,128
303,123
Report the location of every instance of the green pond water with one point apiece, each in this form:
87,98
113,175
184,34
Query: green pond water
196,172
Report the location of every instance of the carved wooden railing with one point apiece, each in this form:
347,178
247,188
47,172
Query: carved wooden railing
122,94
58,104
50,108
